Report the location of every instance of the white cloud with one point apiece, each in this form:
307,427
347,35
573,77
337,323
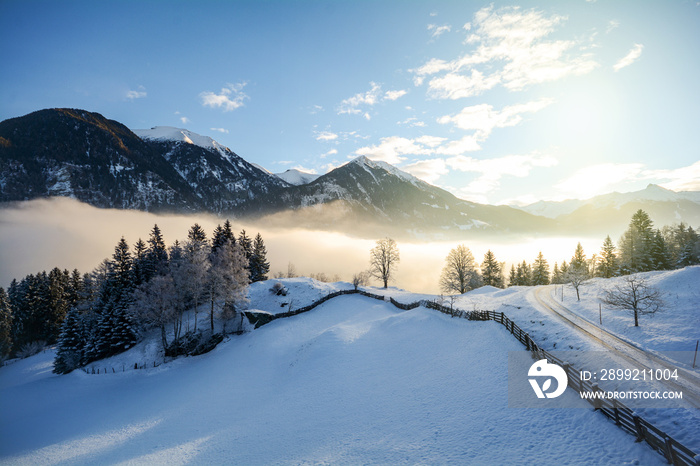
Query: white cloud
630,58
457,86
612,24
391,149
412,121
483,118
438,30
681,179
512,49
330,152
459,147
230,98
351,105
430,141
220,130
140,93
393,95
326,136
427,170
492,170
185,120
598,179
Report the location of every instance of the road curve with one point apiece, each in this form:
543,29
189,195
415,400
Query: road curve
688,382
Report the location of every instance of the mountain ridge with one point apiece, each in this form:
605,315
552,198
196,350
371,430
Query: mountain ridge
79,154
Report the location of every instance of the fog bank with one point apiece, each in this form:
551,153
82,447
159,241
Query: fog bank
60,232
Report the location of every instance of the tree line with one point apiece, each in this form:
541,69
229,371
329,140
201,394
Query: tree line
641,248
102,313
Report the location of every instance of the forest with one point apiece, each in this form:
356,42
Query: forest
154,286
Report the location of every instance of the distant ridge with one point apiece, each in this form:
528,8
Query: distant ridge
83,155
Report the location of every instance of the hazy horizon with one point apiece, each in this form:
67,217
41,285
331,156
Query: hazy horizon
61,232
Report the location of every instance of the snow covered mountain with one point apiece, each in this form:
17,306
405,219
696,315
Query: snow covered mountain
297,177
218,176
664,206
79,154
365,193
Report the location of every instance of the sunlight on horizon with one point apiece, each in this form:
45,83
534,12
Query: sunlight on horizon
43,234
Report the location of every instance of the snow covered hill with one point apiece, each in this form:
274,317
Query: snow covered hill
353,381
296,177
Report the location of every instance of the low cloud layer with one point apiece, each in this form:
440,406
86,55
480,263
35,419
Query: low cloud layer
42,234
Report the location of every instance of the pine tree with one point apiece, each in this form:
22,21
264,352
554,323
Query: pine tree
556,275
222,235
69,353
540,271
156,258
259,265
58,303
217,238
635,244
5,325
523,274
607,265
491,270
116,327
513,277
140,265
247,246
658,252
578,261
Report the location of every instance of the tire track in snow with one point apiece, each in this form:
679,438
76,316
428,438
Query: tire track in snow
688,382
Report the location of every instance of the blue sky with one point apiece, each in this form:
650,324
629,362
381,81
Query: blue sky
496,102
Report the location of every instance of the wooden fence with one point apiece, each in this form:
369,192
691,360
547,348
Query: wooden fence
626,419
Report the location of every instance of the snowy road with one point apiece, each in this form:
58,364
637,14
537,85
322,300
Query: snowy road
687,382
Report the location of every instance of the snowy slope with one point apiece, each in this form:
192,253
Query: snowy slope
353,381
296,177
169,133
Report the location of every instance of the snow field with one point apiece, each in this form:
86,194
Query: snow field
353,381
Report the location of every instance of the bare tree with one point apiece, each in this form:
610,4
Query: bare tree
383,260
576,275
155,302
360,279
227,283
195,269
633,294
460,273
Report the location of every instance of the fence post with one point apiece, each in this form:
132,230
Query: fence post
566,368
616,411
597,402
639,428
668,450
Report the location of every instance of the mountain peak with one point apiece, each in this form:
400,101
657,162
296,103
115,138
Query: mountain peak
297,177
366,162
170,133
